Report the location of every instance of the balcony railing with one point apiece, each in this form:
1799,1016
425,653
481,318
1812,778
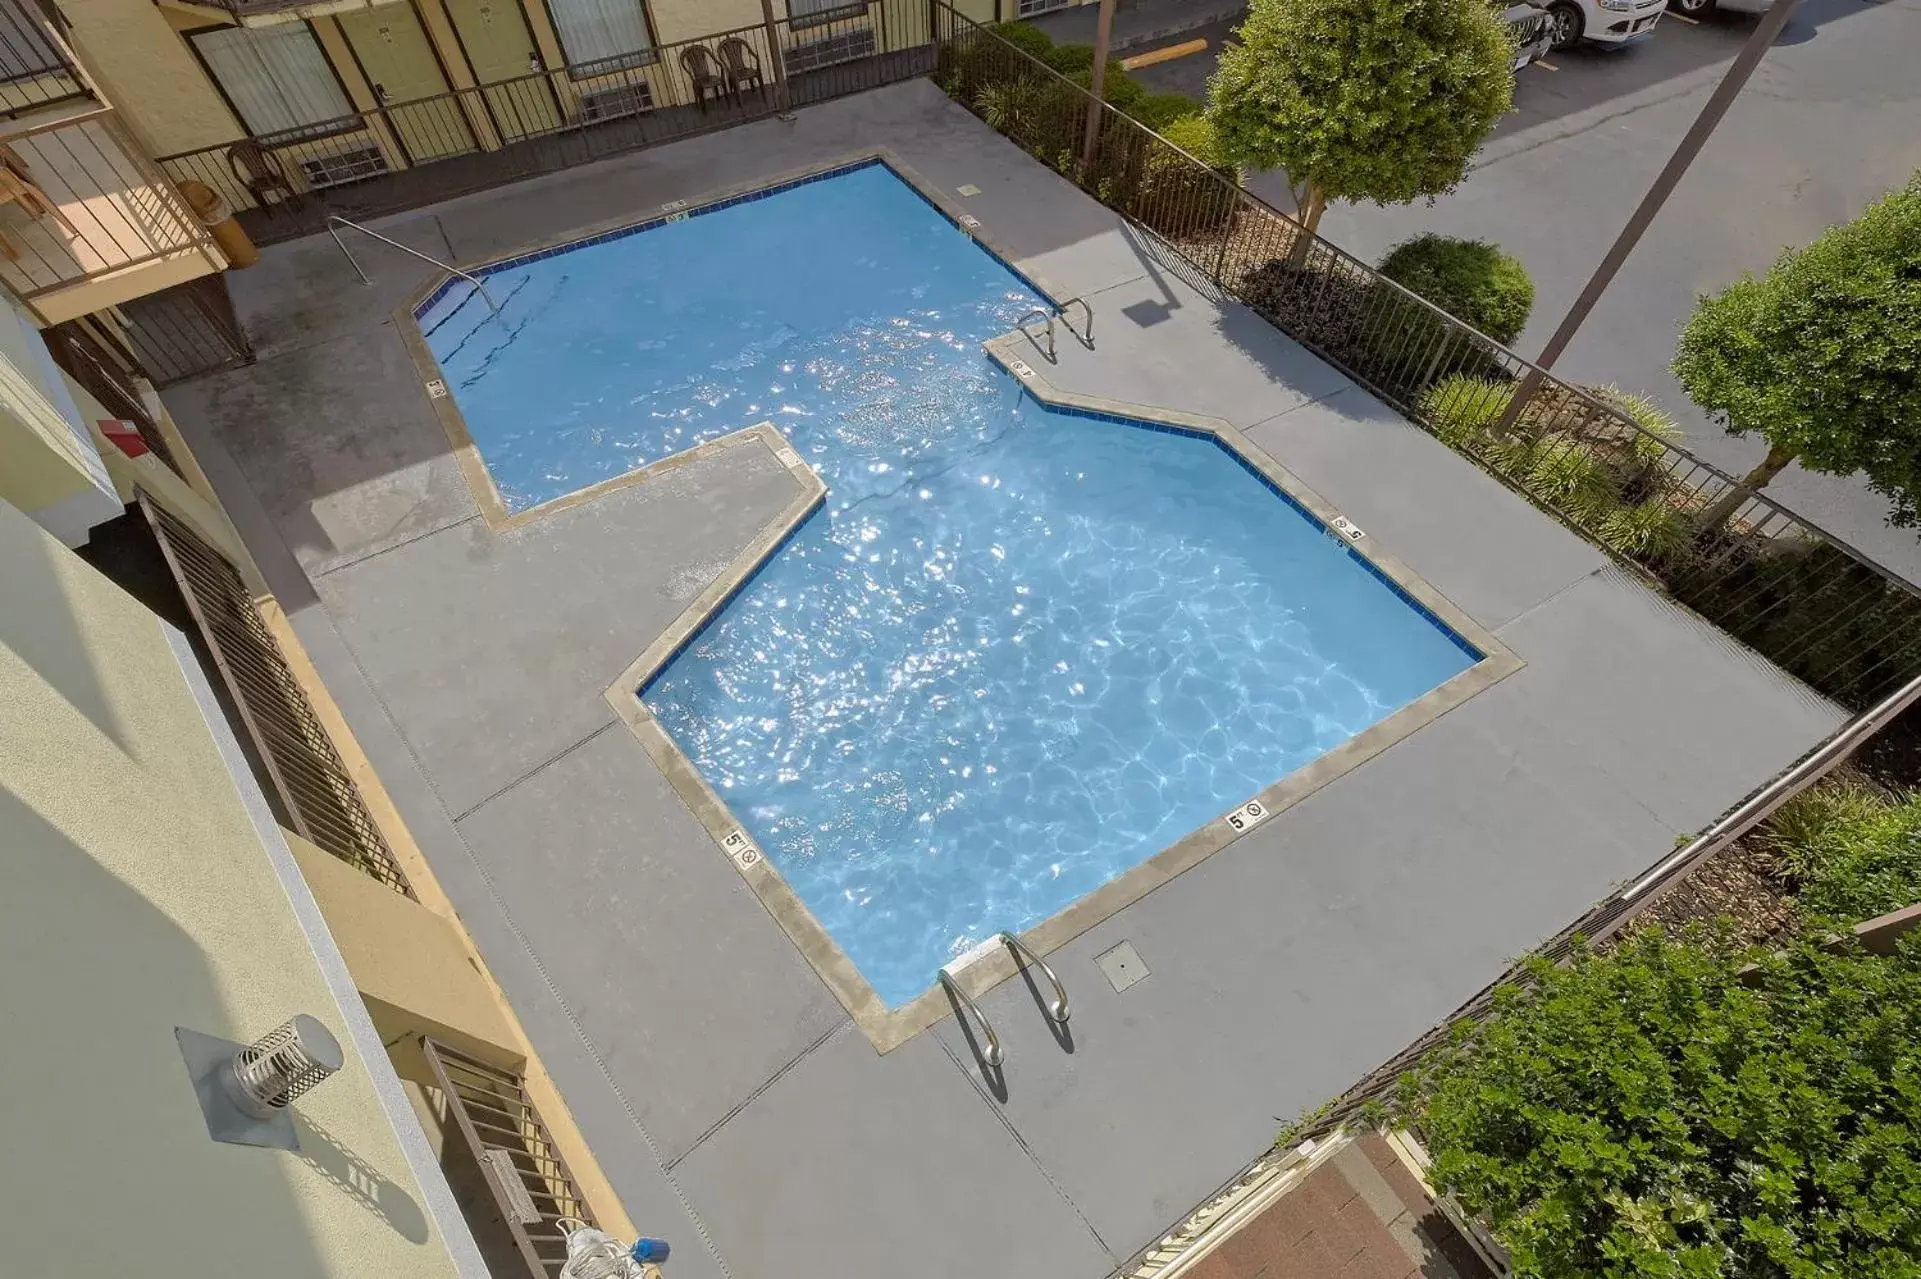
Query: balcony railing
80,203
35,70
402,155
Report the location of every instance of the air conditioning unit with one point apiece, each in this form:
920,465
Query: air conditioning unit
344,166
626,99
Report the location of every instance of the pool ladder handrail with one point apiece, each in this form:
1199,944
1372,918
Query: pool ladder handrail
1023,953
991,1042
335,222
1084,337
1039,313
1087,338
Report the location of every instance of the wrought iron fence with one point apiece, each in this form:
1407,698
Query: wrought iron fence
186,330
1808,601
310,783
401,155
510,1143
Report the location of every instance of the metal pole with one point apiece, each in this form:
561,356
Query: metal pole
774,54
1103,32
1696,137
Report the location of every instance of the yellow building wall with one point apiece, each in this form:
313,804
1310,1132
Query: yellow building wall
146,69
407,962
691,19
135,896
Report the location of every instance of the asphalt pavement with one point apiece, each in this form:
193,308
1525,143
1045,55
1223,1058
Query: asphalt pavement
1831,119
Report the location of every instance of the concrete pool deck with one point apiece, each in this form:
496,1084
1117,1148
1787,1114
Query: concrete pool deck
725,1091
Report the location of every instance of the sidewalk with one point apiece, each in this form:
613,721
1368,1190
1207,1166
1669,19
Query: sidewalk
1138,24
1360,1215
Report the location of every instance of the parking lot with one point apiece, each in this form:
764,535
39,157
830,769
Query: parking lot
1831,119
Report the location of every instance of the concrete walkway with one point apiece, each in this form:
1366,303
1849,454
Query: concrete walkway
733,1104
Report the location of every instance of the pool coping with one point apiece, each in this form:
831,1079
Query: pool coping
433,382
988,965
888,1028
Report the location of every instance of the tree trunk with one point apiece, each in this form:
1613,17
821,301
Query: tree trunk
1308,214
1723,510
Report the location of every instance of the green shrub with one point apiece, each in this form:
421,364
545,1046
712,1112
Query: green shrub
1461,410
1159,110
1658,1113
1471,280
1178,198
1653,532
1071,59
1029,39
1121,90
1850,851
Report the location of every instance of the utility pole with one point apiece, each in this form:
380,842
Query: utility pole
774,54
1103,32
1697,135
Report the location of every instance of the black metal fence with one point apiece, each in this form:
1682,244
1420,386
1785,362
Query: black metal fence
186,330
93,356
1803,598
405,154
311,784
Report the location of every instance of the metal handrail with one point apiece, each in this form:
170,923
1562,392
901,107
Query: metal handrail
1025,954
1037,312
1759,806
335,222
991,1050
1087,338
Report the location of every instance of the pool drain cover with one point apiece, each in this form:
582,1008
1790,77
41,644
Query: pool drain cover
1122,965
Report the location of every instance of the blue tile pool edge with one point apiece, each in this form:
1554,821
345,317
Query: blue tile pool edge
714,204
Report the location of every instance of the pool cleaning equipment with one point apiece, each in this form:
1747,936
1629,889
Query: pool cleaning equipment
592,1253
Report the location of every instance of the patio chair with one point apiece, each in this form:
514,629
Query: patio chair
258,169
697,60
741,65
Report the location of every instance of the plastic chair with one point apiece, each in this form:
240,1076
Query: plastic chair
741,65
258,169
697,60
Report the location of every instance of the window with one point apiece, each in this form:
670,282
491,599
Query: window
1026,7
276,77
601,35
805,13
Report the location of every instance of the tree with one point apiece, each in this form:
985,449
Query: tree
1822,356
1664,1111
1380,100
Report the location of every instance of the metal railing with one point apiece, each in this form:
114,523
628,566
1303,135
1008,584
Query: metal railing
186,330
96,206
990,1046
1025,954
502,1130
317,796
401,155
35,68
1805,599
335,222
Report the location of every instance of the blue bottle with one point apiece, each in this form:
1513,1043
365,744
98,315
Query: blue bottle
649,1250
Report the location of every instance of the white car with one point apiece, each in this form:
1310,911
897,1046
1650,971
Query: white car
1603,21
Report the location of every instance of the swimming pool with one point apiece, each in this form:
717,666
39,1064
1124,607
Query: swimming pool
1018,650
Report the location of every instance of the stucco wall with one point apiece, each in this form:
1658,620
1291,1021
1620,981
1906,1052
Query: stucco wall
145,68
48,464
135,896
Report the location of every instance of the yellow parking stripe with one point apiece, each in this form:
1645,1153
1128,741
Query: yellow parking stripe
1167,54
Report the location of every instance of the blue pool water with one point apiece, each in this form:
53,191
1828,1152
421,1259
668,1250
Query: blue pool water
1018,651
